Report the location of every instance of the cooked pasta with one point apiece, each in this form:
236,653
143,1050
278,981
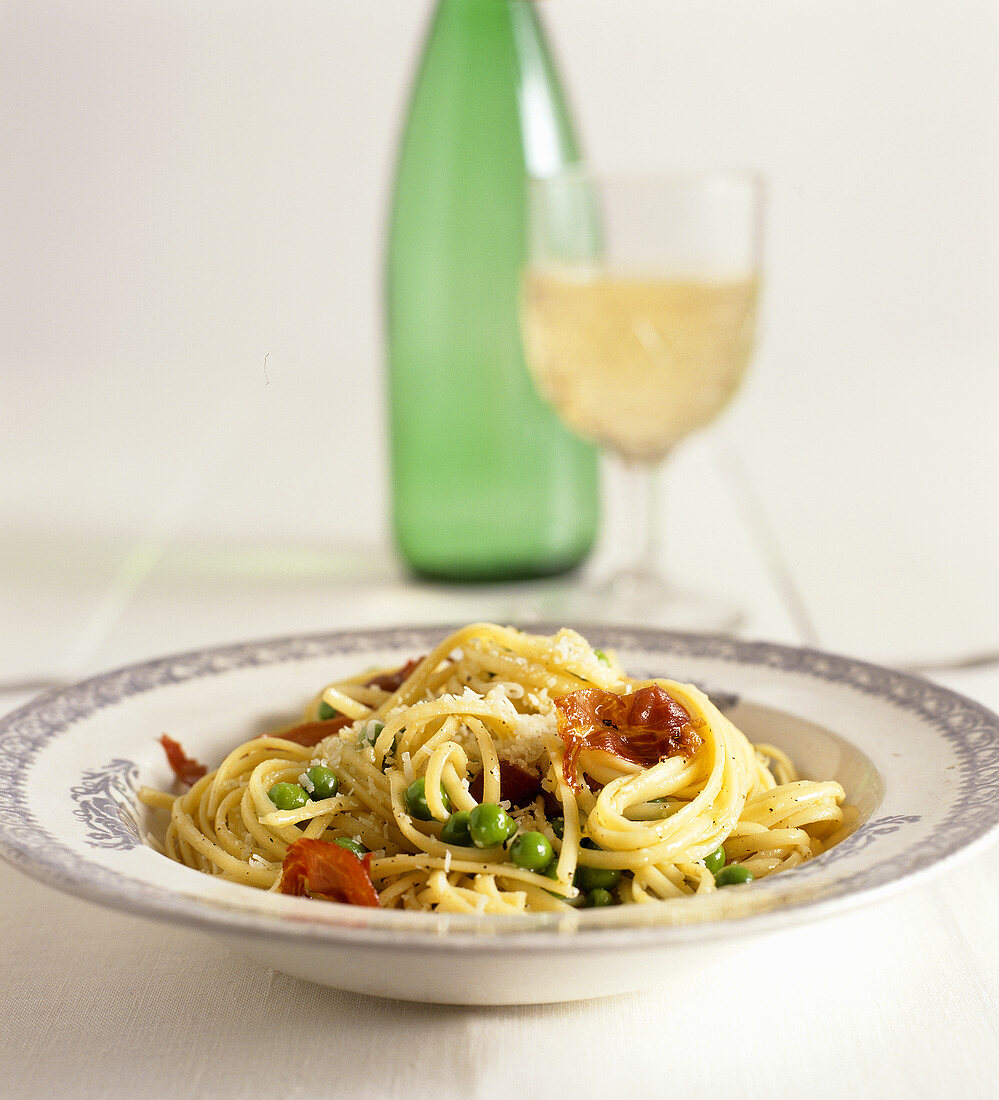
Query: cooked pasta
503,772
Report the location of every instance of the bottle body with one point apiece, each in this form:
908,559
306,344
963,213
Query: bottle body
486,482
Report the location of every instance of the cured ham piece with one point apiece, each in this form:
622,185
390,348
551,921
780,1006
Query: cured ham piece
185,768
321,869
518,785
311,733
642,727
392,681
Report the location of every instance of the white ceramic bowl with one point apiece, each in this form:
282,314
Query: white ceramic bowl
920,763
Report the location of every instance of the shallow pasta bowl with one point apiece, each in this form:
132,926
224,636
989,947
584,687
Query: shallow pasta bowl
919,764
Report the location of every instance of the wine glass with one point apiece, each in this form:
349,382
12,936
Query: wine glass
638,309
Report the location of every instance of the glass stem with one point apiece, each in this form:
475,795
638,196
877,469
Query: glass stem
644,516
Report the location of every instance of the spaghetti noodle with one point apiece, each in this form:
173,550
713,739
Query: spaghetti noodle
502,772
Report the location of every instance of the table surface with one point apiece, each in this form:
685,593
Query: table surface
898,998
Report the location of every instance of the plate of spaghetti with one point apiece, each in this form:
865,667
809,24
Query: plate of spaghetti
487,814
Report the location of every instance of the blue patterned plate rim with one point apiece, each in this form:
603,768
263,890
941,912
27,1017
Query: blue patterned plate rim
971,820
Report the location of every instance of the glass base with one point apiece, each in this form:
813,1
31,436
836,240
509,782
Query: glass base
630,598
636,597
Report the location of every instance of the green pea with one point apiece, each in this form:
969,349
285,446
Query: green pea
733,875
489,825
716,861
287,796
351,845
370,730
532,851
324,782
597,878
455,830
326,712
416,800
597,898
558,826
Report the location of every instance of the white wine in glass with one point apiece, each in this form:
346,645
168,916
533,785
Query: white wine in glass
649,344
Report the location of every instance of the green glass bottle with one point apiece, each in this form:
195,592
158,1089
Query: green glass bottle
486,482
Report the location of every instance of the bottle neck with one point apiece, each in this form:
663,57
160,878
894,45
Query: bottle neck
481,36
482,16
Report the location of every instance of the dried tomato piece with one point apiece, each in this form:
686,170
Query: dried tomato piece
642,727
185,768
323,870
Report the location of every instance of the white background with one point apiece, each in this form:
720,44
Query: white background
192,238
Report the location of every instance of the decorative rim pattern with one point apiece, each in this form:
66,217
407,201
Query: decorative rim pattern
101,797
